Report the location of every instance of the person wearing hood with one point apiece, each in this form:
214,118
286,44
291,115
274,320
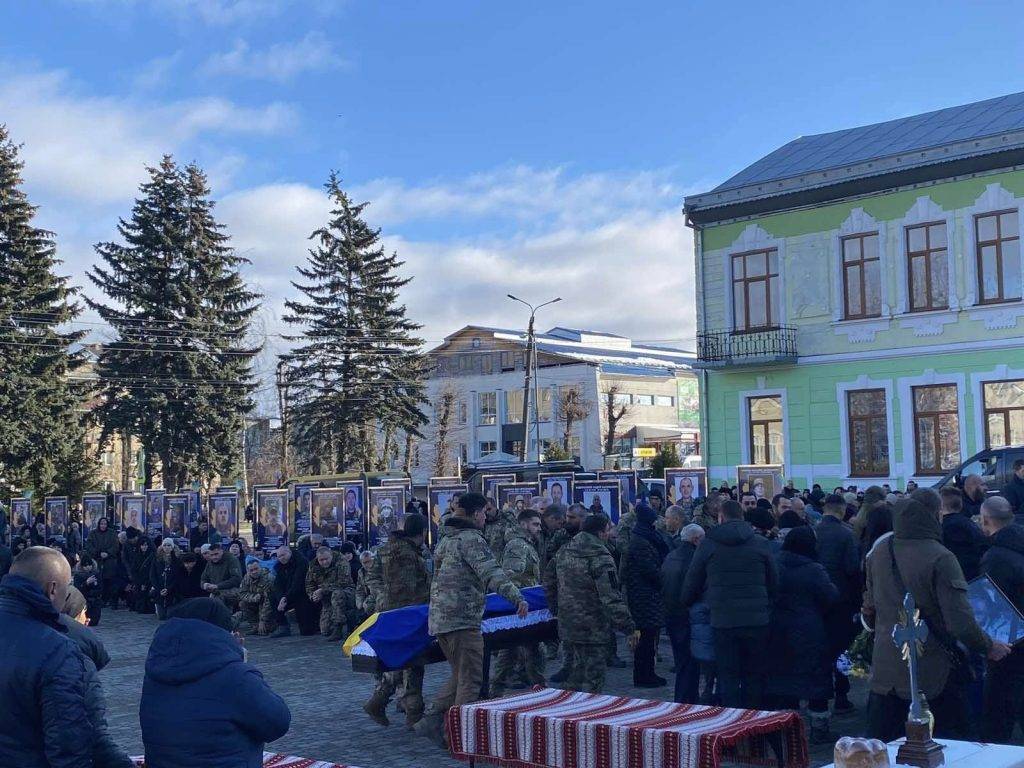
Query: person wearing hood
802,667
960,534
105,753
1003,562
186,579
140,565
677,615
103,547
913,559
642,579
199,535
763,523
737,569
43,713
582,588
202,705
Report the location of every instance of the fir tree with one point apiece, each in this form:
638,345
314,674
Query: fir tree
357,368
42,434
179,374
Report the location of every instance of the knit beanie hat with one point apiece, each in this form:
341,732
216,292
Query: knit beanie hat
760,518
790,519
801,541
75,603
204,609
645,514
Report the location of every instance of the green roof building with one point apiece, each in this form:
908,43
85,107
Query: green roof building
859,300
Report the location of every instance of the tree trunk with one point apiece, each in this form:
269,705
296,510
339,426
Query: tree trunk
386,454
407,459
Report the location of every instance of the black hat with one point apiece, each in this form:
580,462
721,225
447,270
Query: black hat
206,609
835,498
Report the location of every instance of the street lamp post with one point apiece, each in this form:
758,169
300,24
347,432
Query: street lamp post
531,370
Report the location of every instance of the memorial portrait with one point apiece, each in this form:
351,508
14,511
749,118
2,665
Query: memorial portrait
56,508
762,480
270,529
21,512
517,496
224,514
94,506
133,512
176,515
557,487
326,516
387,510
627,481
600,496
686,487
489,485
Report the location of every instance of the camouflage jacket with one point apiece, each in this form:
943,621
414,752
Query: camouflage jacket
583,591
256,591
464,572
364,597
498,531
521,560
399,575
336,576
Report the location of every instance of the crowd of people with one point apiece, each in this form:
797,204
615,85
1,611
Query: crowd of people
760,600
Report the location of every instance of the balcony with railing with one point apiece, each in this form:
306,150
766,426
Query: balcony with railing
722,349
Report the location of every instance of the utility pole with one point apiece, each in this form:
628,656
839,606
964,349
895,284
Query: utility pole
531,370
282,407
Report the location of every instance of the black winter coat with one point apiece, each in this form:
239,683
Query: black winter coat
643,584
802,662
43,720
840,557
673,574
962,537
290,580
1003,562
739,572
1014,493
185,584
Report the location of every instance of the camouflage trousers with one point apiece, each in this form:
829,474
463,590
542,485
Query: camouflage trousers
247,619
589,664
229,597
523,663
332,611
411,682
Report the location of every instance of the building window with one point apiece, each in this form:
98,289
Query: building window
862,280
463,453
506,362
869,433
666,401
463,412
512,447
998,257
487,364
517,361
928,267
766,438
488,408
487,447
1004,413
644,399
544,404
514,406
936,428
621,398
755,287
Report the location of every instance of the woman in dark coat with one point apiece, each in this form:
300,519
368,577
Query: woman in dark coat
161,570
202,704
647,551
140,569
102,546
802,667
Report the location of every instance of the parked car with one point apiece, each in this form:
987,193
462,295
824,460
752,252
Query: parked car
994,465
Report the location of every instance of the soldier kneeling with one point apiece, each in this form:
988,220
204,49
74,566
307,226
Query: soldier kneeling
329,585
255,607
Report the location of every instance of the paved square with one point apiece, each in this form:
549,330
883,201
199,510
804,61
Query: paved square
326,697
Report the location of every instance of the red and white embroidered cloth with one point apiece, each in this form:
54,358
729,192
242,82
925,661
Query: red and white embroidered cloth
271,760
550,728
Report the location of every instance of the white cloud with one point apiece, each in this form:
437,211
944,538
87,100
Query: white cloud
280,62
155,72
212,12
94,149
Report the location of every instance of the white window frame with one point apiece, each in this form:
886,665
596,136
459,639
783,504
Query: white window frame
1000,373
906,398
745,423
754,238
863,382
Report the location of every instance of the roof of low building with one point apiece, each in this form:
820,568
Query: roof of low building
886,152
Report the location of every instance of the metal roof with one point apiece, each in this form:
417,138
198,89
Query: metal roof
988,126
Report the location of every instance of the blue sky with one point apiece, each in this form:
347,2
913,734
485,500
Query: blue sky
542,148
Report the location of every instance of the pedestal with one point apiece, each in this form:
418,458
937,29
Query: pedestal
919,749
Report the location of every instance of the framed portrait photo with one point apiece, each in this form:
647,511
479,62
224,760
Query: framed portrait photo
489,484
387,511
56,509
354,511
271,525
302,507
94,506
326,516
176,516
762,480
600,496
155,512
517,496
21,512
556,487
627,480
440,499
133,511
685,487
405,482
224,514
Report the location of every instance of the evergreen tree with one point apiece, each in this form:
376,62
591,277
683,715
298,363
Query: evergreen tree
42,434
357,368
179,375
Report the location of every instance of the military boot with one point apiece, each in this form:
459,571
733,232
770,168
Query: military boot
431,726
375,707
336,635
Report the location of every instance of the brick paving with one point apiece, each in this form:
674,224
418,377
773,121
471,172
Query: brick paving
326,697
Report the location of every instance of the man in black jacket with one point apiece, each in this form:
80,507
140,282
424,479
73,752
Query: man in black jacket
677,615
289,593
1004,564
840,556
975,492
738,570
1014,490
960,535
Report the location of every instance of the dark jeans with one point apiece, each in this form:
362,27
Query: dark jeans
1004,700
643,656
687,668
887,714
740,658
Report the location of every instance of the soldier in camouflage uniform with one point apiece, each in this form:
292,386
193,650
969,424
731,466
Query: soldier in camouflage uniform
255,607
399,577
329,584
553,521
582,590
499,525
521,562
706,513
464,572
365,604
574,517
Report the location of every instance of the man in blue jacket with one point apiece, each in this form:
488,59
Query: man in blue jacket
43,722
202,705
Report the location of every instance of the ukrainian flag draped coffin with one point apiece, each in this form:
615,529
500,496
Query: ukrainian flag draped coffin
400,635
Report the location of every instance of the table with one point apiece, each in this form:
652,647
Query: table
551,728
970,754
272,760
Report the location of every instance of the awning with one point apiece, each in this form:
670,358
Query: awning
645,434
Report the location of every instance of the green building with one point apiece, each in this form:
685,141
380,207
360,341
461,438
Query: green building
859,300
